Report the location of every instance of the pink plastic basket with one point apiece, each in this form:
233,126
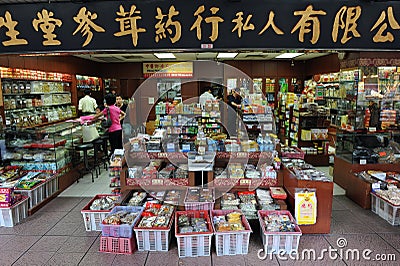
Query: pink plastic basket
194,244
117,245
234,242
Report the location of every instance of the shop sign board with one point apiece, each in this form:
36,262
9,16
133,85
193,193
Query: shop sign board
168,69
198,25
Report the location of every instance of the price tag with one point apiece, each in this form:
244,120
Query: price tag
363,161
198,158
241,155
157,182
162,155
372,129
171,146
376,186
185,147
267,127
244,182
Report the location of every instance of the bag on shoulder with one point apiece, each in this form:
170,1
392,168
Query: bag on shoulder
106,124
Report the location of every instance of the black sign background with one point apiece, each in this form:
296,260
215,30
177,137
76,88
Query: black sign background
24,14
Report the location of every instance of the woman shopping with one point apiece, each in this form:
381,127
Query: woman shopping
116,115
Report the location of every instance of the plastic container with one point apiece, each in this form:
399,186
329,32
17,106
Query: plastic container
233,242
93,218
51,186
386,210
275,242
117,245
153,239
197,206
194,244
14,214
122,230
36,195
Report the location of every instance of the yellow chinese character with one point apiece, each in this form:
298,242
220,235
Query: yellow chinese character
271,23
8,22
239,23
161,26
47,25
214,20
305,21
85,21
349,24
128,23
379,36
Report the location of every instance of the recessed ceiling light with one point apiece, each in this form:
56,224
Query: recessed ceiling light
165,55
227,55
288,55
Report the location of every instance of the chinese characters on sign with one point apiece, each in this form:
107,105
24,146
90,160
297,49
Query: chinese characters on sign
173,24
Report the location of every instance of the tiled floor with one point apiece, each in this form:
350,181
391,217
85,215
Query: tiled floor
55,235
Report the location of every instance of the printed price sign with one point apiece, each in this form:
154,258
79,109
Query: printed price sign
158,182
245,182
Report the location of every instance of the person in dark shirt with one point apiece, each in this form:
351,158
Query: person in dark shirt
235,101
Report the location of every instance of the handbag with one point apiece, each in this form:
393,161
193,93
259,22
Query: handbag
106,124
89,133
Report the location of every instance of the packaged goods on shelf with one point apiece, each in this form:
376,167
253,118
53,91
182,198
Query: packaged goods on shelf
97,209
232,232
279,232
229,200
173,197
265,200
193,231
248,204
136,199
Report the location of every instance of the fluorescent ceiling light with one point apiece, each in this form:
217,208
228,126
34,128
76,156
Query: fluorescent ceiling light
288,55
165,55
227,55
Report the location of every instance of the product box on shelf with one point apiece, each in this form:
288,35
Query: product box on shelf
121,230
6,197
193,244
14,214
35,195
385,210
232,242
93,218
277,242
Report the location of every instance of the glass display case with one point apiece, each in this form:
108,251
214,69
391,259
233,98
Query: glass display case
43,149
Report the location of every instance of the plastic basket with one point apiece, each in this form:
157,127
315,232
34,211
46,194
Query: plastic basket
199,206
231,243
93,218
14,214
36,194
117,245
194,244
275,242
51,186
122,230
153,239
385,210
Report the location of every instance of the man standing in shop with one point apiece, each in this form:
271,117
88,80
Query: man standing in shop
87,105
235,101
206,96
120,103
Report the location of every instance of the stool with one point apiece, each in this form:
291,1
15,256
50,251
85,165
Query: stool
85,148
106,156
97,144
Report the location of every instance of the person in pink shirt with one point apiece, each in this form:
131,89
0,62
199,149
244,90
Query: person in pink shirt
115,130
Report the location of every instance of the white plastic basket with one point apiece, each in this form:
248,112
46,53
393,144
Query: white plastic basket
91,218
194,244
36,195
232,243
276,242
51,186
153,239
14,214
385,210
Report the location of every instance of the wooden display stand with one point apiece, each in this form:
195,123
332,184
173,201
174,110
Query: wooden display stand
324,193
356,188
